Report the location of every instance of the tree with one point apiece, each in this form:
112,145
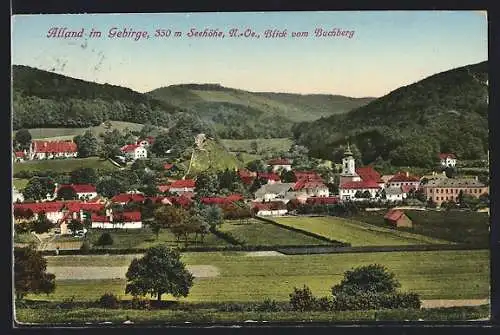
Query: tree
30,274
42,224
163,145
67,193
170,216
87,144
38,188
160,271
302,299
256,184
206,185
75,225
374,278
450,172
254,146
156,228
256,166
213,216
109,187
84,176
287,176
23,138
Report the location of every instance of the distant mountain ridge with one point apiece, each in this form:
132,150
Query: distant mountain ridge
47,99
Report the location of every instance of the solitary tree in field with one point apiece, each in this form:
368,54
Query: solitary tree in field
30,274
160,271
23,138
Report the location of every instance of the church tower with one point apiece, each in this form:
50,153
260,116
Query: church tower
348,167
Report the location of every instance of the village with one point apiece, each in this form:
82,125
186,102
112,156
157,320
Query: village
280,190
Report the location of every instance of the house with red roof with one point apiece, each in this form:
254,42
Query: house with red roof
280,164
125,198
52,149
369,173
274,208
348,190
52,210
397,218
246,176
269,177
322,200
134,151
311,188
19,156
447,159
120,220
146,142
404,179
307,176
182,186
83,191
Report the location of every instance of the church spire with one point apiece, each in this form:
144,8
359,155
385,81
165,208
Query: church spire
348,151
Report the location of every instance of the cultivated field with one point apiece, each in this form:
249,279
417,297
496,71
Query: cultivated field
260,233
145,238
434,275
355,233
70,133
63,165
461,227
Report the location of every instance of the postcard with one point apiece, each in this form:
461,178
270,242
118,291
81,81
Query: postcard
250,167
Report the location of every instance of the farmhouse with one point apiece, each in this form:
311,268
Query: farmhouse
314,188
182,186
350,190
276,208
404,179
280,164
397,218
447,160
134,151
52,149
441,190
269,177
83,191
270,192
124,220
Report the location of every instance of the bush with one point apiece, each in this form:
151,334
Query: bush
302,299
371,300
269,306
324,304
370,278
108,300
140,303
68,303
85,248
105,239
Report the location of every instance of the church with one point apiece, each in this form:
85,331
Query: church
365,180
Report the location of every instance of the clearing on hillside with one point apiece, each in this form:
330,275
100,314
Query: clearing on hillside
354,232
63,165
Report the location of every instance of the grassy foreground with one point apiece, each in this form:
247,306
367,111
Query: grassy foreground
99,315
243,278
356,233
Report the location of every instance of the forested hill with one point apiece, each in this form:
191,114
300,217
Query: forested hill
446,112
47,99
237,113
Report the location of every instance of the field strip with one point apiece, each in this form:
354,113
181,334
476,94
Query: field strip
438,303
264,254
118,272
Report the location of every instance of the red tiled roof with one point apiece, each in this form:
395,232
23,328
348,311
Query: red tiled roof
235,197
181,200
303,184
370,184
404,177
125,197
38,207
322,200
279,161
393,215
309,175
85,206
368,173
188,183
80,188
19,154
54,146
122,217
446,155
269,176
129,147
221,200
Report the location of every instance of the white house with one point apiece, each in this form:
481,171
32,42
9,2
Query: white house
394,194
280,164
312,188
269,209
404,179
125,220
182,186
134,151
448,160
270,192
348,190
52,210
83,191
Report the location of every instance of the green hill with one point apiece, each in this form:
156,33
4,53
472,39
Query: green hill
212,157
239,114
446,112
44,99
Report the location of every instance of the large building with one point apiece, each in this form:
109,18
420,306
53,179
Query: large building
442,190
348,168
48,150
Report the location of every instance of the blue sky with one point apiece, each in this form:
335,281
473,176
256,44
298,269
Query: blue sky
389,49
